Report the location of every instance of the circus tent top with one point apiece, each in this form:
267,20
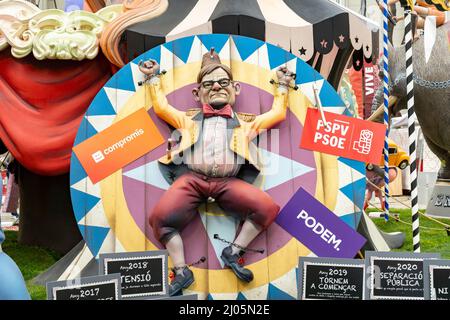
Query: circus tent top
320,32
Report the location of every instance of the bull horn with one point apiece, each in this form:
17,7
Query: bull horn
392,100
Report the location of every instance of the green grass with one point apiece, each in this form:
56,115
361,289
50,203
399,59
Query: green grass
430,240
31,260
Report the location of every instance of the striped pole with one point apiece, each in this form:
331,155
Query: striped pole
411,131
386,110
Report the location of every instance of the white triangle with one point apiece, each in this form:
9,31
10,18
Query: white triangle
308,89
259,293
95,217
345,174
344,205
223,225
149,173
118,97
292,65
196,51
86,186
357,175
166,62
138,76
287,283
100,123
224,296
263,57
354,174
224,53
278,169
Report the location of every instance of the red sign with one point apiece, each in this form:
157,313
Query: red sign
344,136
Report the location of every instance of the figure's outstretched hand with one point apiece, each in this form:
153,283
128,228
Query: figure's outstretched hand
149,67
285,76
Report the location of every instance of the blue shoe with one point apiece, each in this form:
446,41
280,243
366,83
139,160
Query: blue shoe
181,281
234,261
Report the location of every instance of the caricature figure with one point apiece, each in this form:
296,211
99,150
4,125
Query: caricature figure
215,160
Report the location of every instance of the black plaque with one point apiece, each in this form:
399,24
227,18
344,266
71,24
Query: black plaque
396,275
142,273
331,278
89,288
437,279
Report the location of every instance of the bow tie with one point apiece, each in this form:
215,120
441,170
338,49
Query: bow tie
209,111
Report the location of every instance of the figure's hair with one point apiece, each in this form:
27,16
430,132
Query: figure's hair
134,11
210,68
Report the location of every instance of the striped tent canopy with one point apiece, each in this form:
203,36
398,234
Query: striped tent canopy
320,32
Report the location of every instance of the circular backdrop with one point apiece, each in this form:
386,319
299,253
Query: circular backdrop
113,214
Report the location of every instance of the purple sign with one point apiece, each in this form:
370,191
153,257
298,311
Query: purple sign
319,229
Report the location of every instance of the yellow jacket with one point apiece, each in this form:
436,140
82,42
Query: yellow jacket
245,126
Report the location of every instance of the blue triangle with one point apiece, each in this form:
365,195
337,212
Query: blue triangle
360,190
77,171
349,219
329,97
354,164
101,105
85,131
122,80
353,193
241,296
209,297
348,190
214,40
181,47
305,73
277,294
278,56
82,203
246,46
154,54
94,237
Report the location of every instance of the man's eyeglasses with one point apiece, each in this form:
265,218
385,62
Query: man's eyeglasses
222,82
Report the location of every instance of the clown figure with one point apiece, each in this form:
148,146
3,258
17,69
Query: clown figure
215,161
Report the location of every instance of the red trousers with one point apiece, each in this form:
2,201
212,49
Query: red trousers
179,204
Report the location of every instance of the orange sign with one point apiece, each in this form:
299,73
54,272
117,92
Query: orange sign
123,142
